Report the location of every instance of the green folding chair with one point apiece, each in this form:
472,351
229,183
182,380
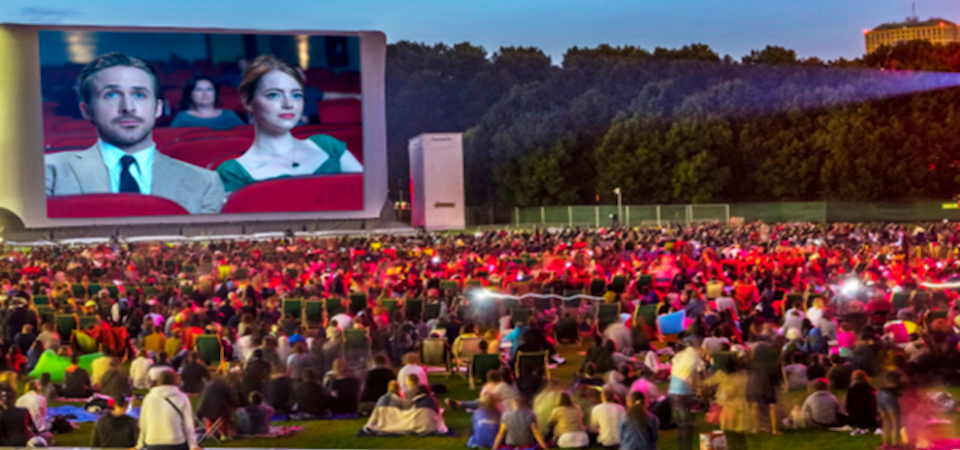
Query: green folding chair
644,280
451,285
94,289
900,300
411,307
647,313
209,348
431,310
292,306
66,324
619,284
480,365
521,315
435,354
598,287
113,290
511,303
567,330
934,315
292,272
528,363
473,284
190,269
721,359
793,301
389,304
41,300
87,321
356,342
149,290
572,303
187,289
607,313
313,313
46,313
358,302
333,306
78,290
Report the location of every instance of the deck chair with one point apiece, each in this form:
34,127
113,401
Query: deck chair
480,364
169,264
93,289
793,301
114,291
468,348
528,363
511,303
149,290
644,280
358,302
521,315
473,284
357,342
568,330
87,321
435,354
210,432
619,284
41,300
648,313
46,313
209,348
390,305
432,310
66,324
333,306
452,285
190,269
292,306
721,359
607,313
411,307
291,272
78,290
313,313
543,304
900,300
598,287
934,315
574,303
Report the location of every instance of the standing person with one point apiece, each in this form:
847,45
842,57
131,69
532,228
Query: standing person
117,429
685,370
605,419
166,417
518,427
639,430
888,403
200,106
861,404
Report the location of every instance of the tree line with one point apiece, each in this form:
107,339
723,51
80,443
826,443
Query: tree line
682,125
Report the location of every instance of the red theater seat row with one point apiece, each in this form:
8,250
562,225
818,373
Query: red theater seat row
340,111
111,205
299,194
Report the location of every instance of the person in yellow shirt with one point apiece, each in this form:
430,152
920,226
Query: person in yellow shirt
100,367
174,343
153,340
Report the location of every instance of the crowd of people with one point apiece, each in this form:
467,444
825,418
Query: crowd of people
764,309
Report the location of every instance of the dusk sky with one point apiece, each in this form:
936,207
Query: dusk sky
824,28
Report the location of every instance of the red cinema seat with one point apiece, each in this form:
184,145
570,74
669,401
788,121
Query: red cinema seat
338,83
50,122
74,126
352,135
202,153
166,135
179,76
216,163
111,205
340,111
173,96
70,140
316,75
299,194
63,149
206,67
244,133
230,99
50,109
352,81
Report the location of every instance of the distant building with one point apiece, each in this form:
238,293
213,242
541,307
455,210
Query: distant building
937,31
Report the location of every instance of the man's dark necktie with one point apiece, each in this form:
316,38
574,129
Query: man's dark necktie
127,182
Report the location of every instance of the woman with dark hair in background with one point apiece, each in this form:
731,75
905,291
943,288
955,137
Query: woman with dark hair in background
198,106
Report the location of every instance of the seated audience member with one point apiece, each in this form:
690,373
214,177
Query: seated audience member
377,379
199,106
567,422
344,387
115,383
33,355
279,393
590,376
139,370
16,427
861,404
518,427
839,372
117,429
48,389
501,391
256,375
486,423
638,430
76,380
218,401
411,366
37,405
161,365
100,367
25,338
605,419
311,399
815,368
821,408
15,360
795,374
299,361
255,417
194,374
49,337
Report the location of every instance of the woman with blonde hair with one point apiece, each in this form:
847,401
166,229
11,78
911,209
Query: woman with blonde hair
272,93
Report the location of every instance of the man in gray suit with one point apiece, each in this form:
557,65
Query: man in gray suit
118,93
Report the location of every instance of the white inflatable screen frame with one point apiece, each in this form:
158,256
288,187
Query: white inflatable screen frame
22,189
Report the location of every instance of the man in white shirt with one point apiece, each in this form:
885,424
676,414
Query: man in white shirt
166,417
727,303
605,419
120,95
140,369
411,367
37,405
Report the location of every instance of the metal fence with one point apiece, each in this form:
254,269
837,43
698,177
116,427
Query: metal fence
628,215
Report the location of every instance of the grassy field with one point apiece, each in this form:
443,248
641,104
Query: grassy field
343,433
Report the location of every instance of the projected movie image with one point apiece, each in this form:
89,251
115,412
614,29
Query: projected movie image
160,124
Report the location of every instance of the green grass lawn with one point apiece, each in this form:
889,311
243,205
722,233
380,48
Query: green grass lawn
343,433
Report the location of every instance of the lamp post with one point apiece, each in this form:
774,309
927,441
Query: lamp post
619,204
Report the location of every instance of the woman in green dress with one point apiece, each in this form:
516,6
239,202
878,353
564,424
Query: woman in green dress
272,93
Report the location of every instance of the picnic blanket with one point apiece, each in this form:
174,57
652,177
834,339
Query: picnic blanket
394,416
275,432
74,413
